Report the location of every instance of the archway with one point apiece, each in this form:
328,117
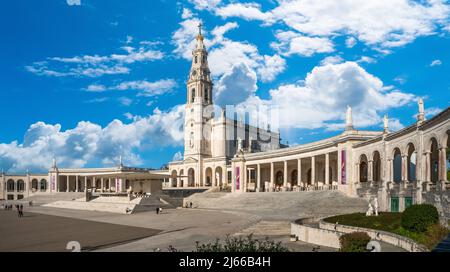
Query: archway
412,162
34,184
434,161
363,169
98,184
173,178
43,185
376,167
218,177
10,185
397,165
191,177
308,176
279,179
208,176
20,185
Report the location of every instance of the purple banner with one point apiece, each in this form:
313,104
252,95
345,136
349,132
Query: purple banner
343,167
237,175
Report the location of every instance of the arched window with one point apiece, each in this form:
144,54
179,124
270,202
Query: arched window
195,59
10,185
279,179
397,166
192,95
34,184
43,184
206,95
20,185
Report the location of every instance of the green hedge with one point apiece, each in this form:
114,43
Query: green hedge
354,242
418,218
240,244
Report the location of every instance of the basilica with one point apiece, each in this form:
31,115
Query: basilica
225,153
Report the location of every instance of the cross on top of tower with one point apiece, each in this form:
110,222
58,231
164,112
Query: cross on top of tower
200,28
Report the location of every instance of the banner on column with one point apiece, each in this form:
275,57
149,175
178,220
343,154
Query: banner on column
237,176
53,183
343,167
118,185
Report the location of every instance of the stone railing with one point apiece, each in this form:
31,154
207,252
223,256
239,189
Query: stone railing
307,230
388,237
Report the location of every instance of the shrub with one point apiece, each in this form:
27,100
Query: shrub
418,218
435,233
240,244
354,242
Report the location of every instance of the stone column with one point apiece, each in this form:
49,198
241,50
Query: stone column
327,169
258,177
285,175
427,177
76,184
67,183
313,170
370,171
358,174
85,184
443,167
299,172
271,177
102,185
405,168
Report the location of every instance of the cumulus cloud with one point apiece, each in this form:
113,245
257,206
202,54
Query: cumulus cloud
331,60
248,11
321,99
236,86
205,4
95,65
177,156
89,143
290,43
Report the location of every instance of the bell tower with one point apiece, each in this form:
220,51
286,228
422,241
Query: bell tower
197,129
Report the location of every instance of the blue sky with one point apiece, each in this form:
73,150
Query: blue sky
86,81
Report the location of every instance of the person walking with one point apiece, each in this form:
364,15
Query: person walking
157,210
21,210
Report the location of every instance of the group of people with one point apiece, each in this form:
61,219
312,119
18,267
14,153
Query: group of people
158,210
188,205
19,208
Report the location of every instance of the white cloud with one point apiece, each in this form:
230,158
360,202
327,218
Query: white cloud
95,65
350,42
248,11
187,13
125,101
394,124
332,87
294,43
366,59
235,86
177,156
147,88
332,60
73,2
205,4
89,143
96,88
436,63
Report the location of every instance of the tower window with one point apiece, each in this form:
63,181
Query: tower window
192,95
195,59
206,95
204,59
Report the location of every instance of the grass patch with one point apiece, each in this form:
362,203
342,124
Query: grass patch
392,222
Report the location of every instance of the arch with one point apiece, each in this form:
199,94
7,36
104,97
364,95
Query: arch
43,185
294,175
191,177
363,168
434,160
98,184
309,176
34,184
192,95
397,165
279,178
376,166
173,178
10,185
218,176
411,161
208,177
127,184
20,185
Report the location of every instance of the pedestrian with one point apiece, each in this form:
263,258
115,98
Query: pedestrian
21,210
190,204
160,210
157,210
